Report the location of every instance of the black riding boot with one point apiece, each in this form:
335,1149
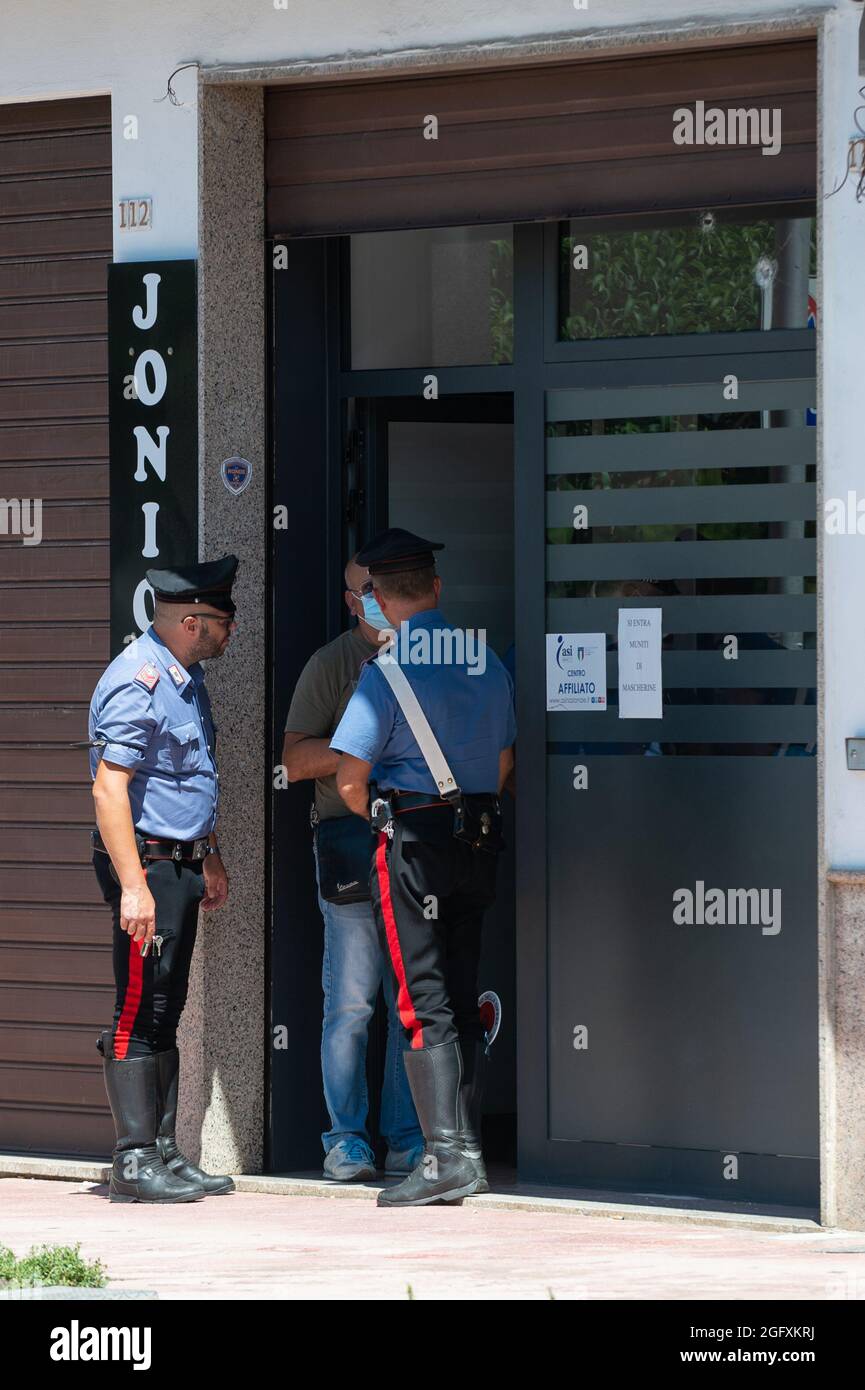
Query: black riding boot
138,1173
168,1064
471,1097
446,1172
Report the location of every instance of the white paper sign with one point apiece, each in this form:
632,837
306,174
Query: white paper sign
640,681
576,670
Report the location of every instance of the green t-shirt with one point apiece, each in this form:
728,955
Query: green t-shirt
327,683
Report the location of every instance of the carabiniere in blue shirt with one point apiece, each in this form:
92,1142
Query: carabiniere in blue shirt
155,717
470,711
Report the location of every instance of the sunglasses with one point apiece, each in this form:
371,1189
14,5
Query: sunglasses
226,618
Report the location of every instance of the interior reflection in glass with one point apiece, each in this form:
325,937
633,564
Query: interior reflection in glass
709,274
745,429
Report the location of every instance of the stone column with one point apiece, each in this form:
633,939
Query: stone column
222,1036
842,1116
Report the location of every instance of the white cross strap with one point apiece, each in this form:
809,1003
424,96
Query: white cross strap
418,723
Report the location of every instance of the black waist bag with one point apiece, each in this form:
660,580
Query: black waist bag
344,847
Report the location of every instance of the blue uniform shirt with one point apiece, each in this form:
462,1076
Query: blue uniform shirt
471,715
156,717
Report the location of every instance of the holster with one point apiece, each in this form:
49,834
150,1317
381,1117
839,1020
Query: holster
478,821
381,809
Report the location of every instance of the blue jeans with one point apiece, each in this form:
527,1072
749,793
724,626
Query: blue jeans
353,967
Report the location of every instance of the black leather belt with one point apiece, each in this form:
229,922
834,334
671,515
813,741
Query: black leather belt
151,848
413,801
419,801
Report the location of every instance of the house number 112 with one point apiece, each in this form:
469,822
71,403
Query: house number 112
135,214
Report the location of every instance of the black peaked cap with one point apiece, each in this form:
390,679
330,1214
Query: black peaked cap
209,582
395,551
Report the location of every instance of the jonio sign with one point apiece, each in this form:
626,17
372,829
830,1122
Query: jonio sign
153,432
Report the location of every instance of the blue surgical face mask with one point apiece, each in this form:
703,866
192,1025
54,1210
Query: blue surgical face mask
372,614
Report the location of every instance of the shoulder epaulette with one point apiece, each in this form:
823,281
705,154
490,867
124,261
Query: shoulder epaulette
148,676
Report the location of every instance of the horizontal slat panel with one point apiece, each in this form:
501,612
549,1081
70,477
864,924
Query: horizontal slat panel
533,142
35,118
66,196
763,669
34,361
646,506
40,1085
56,964
682,560
66,521
48,883
63,236
31,766
48,722
82,1005
561,192
37,685
48,804
61,399
296,111
53,562
32,280
502,145
751,670
726,613
75,317
84,602
55,644
83,479
643,453
642,402
68,1132
48,1044
691,724
56,986
61,523
61,441
56,924
27,845
59,153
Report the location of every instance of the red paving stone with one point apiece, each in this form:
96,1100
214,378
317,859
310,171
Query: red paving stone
252,1245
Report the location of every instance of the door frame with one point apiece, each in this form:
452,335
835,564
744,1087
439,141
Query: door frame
306,307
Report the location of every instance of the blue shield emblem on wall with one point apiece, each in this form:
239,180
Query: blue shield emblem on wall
236,474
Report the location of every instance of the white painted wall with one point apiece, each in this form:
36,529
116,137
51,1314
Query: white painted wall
51,48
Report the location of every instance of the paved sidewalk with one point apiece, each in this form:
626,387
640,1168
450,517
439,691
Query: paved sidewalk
256,1245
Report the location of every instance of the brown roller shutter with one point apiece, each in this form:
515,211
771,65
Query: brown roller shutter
55,945
561,140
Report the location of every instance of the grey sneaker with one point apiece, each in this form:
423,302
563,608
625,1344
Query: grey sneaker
349,1161
403,1161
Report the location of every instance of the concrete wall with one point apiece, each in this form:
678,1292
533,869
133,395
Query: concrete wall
842,304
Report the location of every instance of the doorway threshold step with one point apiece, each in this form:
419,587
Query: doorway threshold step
510,1194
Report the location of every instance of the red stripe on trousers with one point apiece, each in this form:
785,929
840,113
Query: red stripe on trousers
131,999
407,1016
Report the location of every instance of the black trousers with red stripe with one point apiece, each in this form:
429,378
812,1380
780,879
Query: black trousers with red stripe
429,892
151,990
